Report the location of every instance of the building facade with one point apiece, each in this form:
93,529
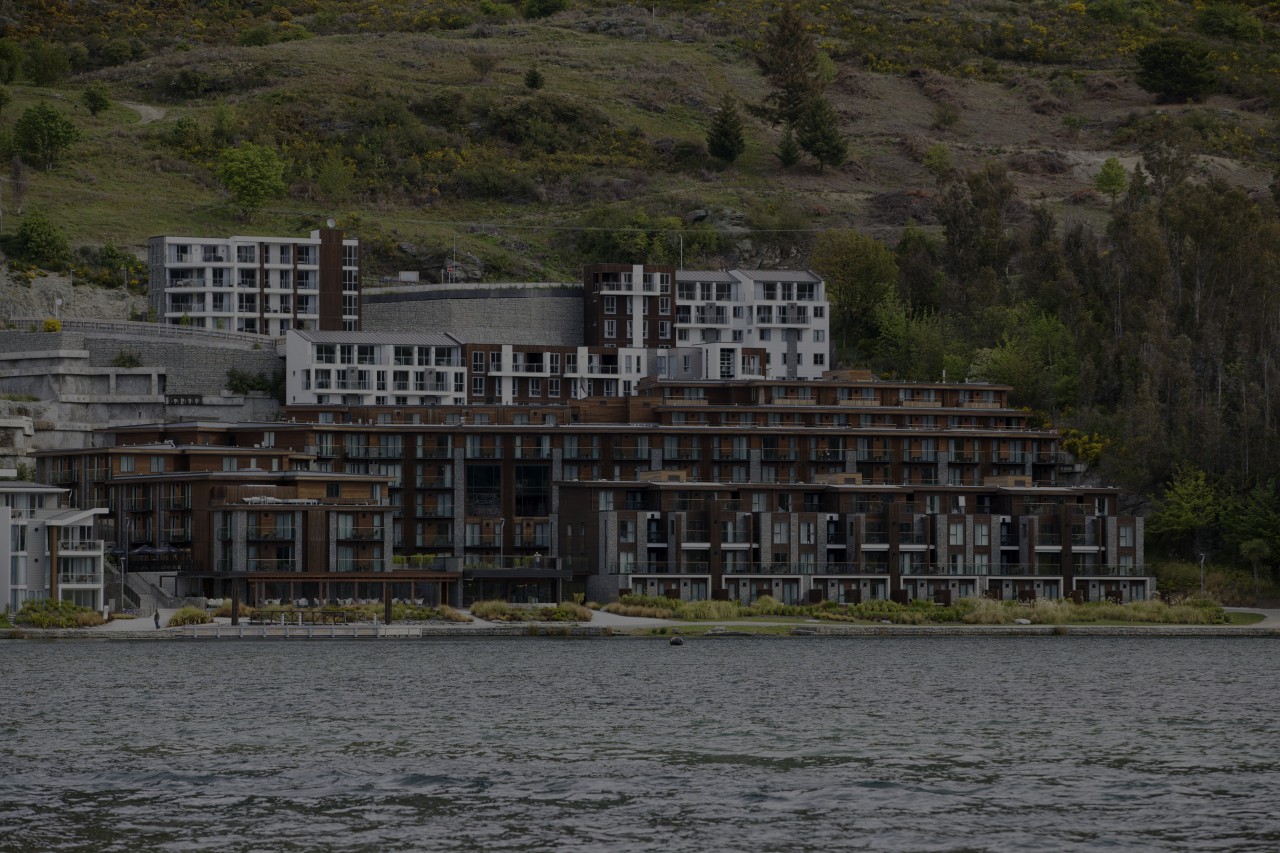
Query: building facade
842,487
261,285
374,369
783,313
50,549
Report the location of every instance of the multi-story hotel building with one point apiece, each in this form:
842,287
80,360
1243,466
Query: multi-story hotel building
263,285
49,547
841,488
373,369
784,313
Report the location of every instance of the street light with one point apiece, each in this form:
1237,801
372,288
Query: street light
1202,574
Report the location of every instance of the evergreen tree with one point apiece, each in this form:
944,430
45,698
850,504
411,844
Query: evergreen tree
818,133
789,152
725,138
791,65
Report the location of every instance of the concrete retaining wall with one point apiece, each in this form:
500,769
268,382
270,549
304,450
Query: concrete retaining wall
549,315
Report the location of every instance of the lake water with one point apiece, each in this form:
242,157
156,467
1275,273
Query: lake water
946,744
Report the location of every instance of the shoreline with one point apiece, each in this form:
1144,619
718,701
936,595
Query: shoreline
688,631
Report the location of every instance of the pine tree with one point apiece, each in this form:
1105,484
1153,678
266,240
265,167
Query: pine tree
725,138
788,150
789,61
818,133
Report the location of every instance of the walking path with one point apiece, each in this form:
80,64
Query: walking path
146,114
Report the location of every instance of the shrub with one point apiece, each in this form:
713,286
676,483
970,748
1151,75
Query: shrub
40,242
542,8
52,324
565,611
189,616
1229,20
1175,70
125,358
224,610
494,611
50,613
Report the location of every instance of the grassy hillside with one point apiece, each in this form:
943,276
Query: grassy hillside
1144,322
413,124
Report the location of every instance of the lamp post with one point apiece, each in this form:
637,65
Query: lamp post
1202,574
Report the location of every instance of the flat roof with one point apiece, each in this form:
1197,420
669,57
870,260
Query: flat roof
421,339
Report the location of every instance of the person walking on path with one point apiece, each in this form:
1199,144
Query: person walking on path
157,618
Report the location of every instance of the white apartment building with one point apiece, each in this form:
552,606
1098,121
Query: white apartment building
373,369
782,312
49,549
261,285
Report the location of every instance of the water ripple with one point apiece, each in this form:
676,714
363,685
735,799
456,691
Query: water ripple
967,744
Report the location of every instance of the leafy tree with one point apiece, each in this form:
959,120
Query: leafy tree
1188,510
979,248
1255,551
789,152
40,242
46,63
725,138
96,99
1111,179
790,63
1175,70
11,61
818,133
42,134
1036,354
860,272
534,79
252,174
335,177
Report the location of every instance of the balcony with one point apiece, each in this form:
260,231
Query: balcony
920,456
1009,458
481,540
79,546
435,511
874,455
361,451
778,454
371,565
437,482
533,453
964,457
272,533
827,455
177,534
138,505
79,578
281,565
435,452
682,454
630,452
58,478
582,453
324,451
361,534
440,541
1110,571
731,454
913,539
484,453
351,385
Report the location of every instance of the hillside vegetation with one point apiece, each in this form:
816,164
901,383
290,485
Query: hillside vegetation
965,220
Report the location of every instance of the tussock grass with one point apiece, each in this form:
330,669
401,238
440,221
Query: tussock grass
501,611
189,616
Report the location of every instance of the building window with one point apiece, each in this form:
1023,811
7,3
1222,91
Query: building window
819,359
1126,536
535,387
553,387
246,254
606,501
477,386
664,305
955,533
982,535
819,335
781,532
664,330
610,328
611,305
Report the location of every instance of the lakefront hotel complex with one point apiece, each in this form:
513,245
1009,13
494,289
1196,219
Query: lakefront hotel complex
688,438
